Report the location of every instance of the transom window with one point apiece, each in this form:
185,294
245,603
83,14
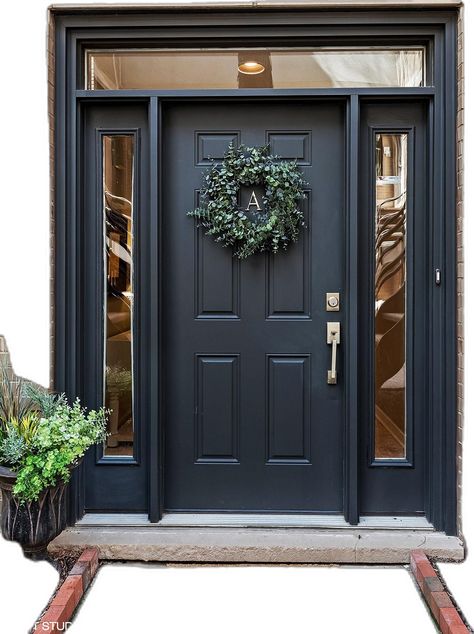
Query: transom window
349,67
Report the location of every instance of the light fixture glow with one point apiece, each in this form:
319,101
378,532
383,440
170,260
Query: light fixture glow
251,68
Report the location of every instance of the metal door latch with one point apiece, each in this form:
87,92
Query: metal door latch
333,339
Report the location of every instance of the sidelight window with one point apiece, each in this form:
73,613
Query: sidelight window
390,295
118,153
349,67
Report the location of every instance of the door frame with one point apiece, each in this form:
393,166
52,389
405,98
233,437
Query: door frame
76,29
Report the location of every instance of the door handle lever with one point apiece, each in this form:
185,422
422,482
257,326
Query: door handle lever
333,339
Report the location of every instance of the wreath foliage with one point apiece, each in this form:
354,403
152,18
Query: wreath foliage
271,229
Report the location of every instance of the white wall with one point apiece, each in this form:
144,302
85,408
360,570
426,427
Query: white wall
24,183
24,222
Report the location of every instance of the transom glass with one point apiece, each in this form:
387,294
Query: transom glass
349,67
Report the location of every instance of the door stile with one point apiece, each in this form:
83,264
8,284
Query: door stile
436,455
351,467
71,379
433,477
155,485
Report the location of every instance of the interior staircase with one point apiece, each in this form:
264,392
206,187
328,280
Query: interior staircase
390,326
119,316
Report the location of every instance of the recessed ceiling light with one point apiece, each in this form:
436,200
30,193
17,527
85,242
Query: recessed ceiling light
251,68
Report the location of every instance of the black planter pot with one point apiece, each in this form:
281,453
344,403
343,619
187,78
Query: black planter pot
32,524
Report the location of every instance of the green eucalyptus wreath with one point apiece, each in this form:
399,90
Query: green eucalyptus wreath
272,229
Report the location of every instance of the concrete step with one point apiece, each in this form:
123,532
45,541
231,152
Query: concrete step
249,545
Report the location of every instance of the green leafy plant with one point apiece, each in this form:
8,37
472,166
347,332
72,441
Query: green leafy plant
13,448
42,437
58,444
279,223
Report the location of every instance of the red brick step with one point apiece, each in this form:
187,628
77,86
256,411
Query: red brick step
63,605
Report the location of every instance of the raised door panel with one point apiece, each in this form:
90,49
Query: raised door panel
217,408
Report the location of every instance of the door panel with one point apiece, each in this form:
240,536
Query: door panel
113,312
393,325
250,421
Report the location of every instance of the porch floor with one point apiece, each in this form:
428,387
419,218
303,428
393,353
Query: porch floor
256,545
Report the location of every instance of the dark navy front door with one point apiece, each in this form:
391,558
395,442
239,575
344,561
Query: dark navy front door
251,423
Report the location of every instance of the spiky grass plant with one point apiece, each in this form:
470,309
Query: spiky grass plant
45,402
26,427
14,403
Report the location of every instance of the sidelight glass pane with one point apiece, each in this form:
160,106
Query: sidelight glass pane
159,69
390,295
118,151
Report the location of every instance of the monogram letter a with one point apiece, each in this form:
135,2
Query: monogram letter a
253,202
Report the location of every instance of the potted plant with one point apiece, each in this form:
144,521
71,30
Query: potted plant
42,439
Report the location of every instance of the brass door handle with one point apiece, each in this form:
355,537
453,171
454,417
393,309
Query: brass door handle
333,339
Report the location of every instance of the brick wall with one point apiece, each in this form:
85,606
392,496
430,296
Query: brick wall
460,254
51,111
5,357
